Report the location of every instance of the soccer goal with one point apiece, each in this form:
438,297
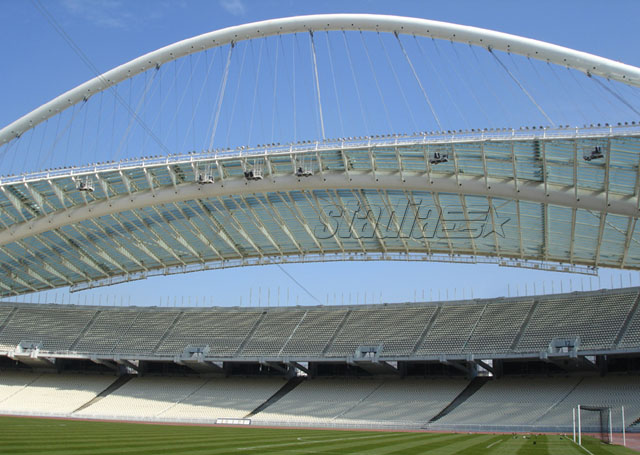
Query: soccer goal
595,421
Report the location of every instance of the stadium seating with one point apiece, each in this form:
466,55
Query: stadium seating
611,391
603,320
143,397
223,330
48,393
319,400
596,319
34,324
184,398
274,331
511,401
318,327
224,398
631,338
364,401
451,330
407,401
106,331
398,329
498,327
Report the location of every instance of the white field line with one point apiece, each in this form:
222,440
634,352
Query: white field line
494,443
582,447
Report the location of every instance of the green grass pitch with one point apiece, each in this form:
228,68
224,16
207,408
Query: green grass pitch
49,436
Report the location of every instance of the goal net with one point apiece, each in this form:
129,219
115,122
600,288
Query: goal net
595,421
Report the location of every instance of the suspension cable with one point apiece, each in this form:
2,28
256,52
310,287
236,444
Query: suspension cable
58,28
235,95
221,94
487,84
197,105
17,143
565,92
55,135
293,92
397,79
128,130
255,90
415,74
590,98
335,87
466,83
375,78
44,132
315,71
435,71
547,88
518,71
274,106
612,92
355,82
99,123
521,87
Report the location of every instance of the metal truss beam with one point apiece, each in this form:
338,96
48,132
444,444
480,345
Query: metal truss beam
533,192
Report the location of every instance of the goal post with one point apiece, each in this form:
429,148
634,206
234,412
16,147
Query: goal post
595,420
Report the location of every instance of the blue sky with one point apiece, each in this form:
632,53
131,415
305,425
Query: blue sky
38,65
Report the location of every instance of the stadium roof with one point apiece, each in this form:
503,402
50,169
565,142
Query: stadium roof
525,195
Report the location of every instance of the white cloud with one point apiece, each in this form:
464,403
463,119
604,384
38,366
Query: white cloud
103,13
235,7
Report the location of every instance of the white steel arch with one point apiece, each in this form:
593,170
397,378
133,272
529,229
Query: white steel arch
582,61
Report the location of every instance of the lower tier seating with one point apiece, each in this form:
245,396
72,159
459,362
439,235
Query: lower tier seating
523,403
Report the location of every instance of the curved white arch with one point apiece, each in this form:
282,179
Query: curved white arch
540,50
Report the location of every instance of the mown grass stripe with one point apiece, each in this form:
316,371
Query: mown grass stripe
59,437
483,446
349,446
169,444
408,440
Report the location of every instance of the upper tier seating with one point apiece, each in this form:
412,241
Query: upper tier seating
596,319
55,329
631,338
601,320
450,332
397,329
223,330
